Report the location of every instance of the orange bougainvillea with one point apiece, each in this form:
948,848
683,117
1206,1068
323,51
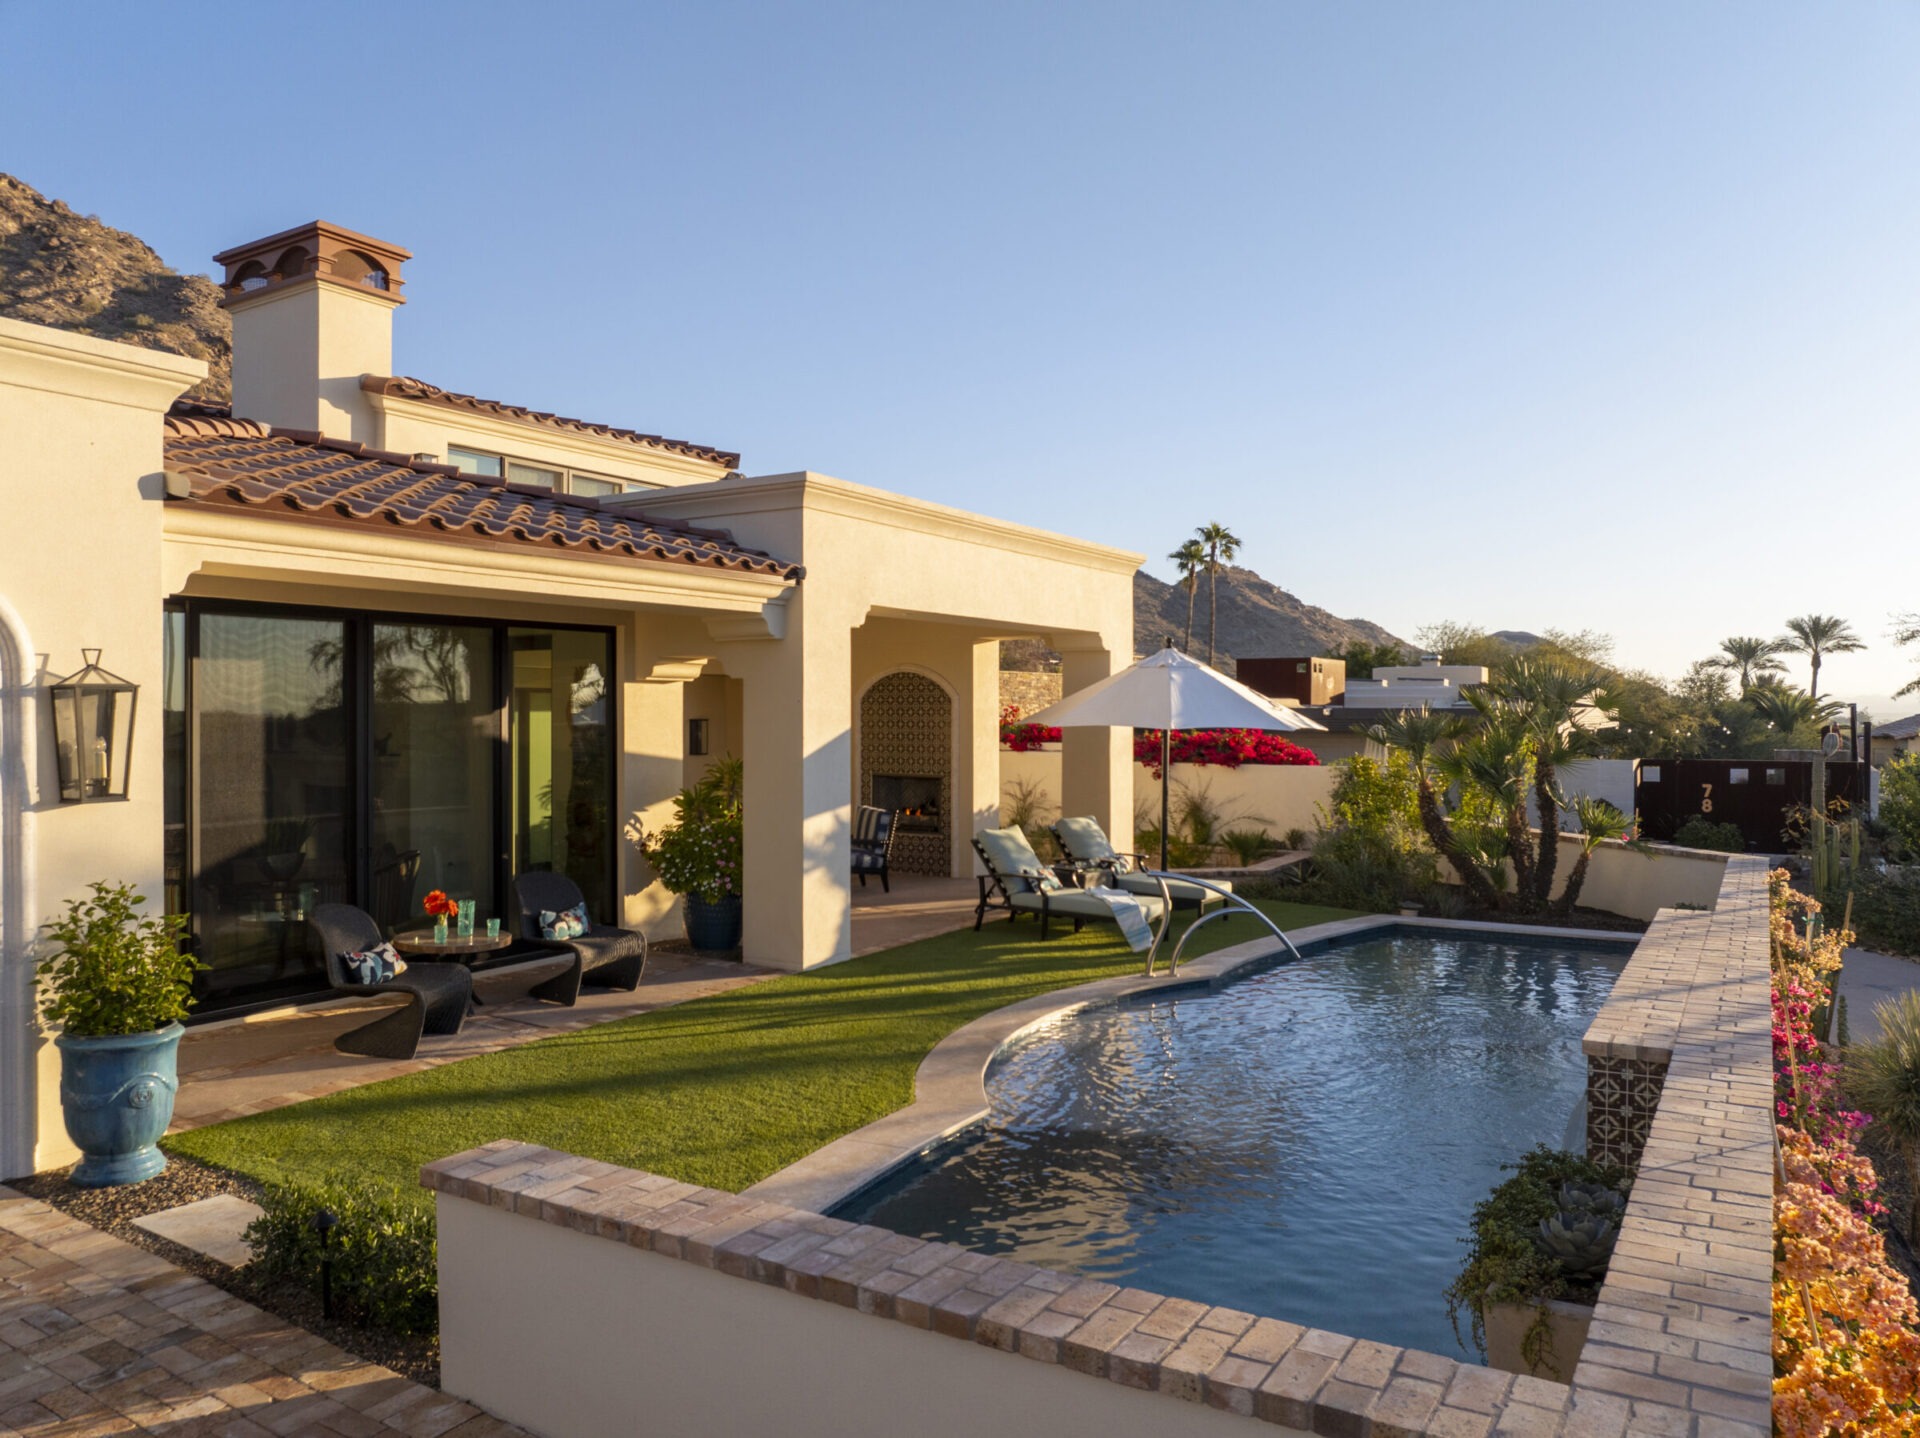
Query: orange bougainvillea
1846,1331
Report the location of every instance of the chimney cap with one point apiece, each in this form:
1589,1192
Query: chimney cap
316,251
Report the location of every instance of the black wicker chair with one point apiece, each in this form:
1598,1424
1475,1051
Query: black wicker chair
873,844
607,958
437,994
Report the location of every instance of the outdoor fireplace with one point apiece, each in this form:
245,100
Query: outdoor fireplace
916,799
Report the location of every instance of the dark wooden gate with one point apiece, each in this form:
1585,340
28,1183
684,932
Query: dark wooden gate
1754,795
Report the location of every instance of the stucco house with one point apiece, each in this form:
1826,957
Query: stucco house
389,637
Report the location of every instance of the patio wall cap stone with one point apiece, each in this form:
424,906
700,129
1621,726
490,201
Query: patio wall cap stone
1259,1368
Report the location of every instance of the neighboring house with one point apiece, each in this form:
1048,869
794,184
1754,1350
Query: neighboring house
1890,741
391,638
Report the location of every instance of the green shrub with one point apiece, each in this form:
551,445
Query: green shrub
381,1249
1900,801
1361,869
112,971
1294,840
1248,846
1886,910
1700,832
1505,1262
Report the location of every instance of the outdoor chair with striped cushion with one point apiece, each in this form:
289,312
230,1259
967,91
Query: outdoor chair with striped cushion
1085,843
873,843
1017,881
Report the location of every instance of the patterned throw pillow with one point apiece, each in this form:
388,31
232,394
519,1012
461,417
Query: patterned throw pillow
375,965
568,924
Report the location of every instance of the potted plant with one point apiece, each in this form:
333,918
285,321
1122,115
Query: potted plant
117,986
1536,1258
698,855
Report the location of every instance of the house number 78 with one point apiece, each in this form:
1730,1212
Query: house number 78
1706,798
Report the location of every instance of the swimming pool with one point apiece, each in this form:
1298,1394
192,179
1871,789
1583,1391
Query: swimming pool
1306,1142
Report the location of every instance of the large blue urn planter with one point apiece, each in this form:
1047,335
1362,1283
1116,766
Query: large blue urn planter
713,927
117,1096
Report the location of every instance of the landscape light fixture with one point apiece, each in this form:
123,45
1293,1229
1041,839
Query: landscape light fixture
93,731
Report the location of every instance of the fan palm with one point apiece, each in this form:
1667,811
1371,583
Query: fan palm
1750,657
1816,636
1787,709
1222,544
1550,695
1599,821
1190,559
1426,738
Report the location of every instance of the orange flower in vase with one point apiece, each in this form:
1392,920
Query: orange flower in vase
439,905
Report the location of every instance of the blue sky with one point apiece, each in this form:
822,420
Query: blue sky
1525,315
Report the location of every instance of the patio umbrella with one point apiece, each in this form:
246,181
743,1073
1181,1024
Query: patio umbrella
1169,691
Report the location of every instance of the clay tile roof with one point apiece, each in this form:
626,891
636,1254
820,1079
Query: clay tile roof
404,388
1907,728
241,464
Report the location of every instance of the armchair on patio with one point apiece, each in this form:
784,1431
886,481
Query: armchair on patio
437,994
1017,881
1085,844
604,956
873,843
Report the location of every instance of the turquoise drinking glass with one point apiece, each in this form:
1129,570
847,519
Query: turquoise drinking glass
466,918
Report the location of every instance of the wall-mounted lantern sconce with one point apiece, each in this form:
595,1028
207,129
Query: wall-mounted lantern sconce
698,732
93,731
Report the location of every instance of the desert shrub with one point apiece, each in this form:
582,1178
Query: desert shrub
1361,869
1025,805
1700,832
1248,846
1886,910
1294,839
381,1249
1900,801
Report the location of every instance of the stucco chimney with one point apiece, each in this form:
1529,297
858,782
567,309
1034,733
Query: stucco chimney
312,311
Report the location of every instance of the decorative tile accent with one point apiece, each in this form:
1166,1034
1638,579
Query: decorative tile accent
906,727
1622,1097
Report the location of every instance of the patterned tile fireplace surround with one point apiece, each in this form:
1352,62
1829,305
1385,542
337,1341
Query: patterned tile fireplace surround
906,733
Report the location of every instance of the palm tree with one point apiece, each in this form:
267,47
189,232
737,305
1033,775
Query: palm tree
1221,545
1552,695
1750,657
1787,709
1427,738
1818,635
1190,559
1599,821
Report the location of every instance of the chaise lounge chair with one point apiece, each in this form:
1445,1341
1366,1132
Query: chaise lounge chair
1085,844
437,994
604,956
1017,881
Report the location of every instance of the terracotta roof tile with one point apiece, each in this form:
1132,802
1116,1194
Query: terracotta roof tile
242,464
402,387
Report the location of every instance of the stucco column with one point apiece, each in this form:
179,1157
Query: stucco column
976,787
652,767
1096,765
797,743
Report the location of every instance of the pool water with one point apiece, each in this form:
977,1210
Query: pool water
1307,1142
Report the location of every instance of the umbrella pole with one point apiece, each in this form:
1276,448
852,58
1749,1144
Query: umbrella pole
1166,791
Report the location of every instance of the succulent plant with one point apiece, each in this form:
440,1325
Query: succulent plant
1581,1234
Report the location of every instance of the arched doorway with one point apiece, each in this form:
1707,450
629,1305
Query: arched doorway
906,763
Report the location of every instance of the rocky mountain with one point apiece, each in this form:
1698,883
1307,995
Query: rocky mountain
1257,618
68,270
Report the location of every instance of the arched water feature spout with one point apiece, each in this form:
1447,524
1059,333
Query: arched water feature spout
1234,905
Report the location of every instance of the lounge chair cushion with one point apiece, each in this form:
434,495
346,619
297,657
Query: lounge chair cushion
1087,842
1179,889
1012,857
1076,904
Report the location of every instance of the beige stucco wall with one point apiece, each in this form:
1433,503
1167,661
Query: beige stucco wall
80,486
575,1336
1637,885
299,352
1271,797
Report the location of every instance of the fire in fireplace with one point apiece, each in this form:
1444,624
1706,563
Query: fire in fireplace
915,799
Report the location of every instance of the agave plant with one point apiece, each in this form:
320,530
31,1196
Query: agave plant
1581,1235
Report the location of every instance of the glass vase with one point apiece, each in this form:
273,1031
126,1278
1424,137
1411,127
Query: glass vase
466,918
440,929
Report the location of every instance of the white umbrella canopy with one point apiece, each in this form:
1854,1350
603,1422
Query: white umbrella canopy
1169,690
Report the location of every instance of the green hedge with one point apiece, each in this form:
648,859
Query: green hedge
381,1249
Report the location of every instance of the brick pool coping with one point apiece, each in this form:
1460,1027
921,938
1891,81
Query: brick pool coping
950,1086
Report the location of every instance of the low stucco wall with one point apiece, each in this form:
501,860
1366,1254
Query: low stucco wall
1634,884
572,1335
1257,796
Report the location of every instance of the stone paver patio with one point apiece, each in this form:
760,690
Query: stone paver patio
100,1337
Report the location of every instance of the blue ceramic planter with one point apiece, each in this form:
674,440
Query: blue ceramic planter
117,1096
713,926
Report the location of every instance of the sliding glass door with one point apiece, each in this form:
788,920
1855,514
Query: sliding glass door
435,762
271,795
316,756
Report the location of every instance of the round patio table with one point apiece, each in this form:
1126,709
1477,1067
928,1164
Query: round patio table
453,951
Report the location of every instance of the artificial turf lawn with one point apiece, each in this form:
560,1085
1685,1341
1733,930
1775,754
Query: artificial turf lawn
720,1091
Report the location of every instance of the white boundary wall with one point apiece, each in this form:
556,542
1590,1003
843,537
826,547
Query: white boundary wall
1274,797
571,1335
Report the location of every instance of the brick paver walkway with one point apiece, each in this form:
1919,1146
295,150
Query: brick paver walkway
100,1337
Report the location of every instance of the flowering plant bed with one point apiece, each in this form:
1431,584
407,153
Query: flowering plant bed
1846,1331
